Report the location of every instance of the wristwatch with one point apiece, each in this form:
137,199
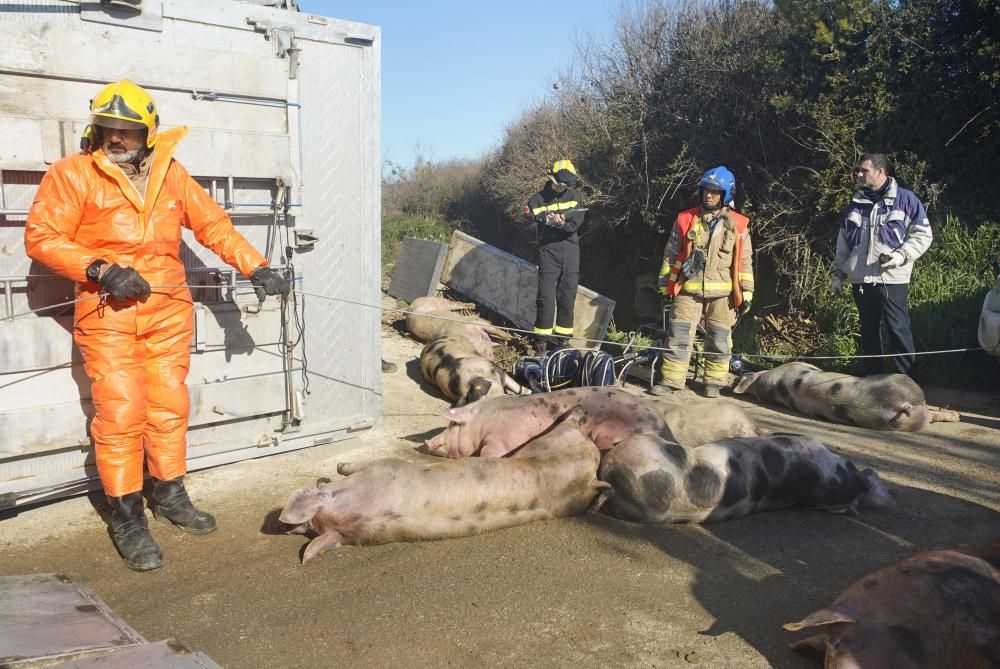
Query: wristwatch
94,270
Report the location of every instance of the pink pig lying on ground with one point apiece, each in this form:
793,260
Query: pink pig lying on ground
382,501
431,317
934,610
495,426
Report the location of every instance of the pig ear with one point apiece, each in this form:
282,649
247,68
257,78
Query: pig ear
301,507
814,644
321,544
479,387
744,383
828,616
457,415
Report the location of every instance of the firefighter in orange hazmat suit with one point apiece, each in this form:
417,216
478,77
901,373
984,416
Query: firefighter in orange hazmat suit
110,218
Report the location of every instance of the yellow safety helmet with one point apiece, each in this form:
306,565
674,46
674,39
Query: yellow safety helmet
563,165
563,173
126,106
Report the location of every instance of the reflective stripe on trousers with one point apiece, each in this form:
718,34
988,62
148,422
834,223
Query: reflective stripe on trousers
685,313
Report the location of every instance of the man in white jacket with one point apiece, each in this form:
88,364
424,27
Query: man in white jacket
883,231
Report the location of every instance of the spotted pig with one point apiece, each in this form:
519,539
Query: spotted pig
463,376
656,481
883,402
430,317
932,610
383,501
495,426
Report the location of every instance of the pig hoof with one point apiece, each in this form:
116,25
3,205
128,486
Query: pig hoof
945,416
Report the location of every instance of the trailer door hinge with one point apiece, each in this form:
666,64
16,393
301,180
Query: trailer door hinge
283,40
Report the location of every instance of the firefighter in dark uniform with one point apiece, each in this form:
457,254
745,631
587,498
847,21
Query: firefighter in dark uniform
557,212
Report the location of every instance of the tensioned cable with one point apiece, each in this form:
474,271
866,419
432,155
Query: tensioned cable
651,348
527,332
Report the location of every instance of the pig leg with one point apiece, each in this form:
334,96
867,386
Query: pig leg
512,386
348,468
494,331
329,540
944,416
493,449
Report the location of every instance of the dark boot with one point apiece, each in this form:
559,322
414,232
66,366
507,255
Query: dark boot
171,503
662,389
131,534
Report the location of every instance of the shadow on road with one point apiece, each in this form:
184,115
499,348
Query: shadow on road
756,573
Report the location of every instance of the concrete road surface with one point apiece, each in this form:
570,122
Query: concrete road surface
584,592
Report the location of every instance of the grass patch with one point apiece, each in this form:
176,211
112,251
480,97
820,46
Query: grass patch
394,228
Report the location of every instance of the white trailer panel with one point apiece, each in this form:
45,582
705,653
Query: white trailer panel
284,116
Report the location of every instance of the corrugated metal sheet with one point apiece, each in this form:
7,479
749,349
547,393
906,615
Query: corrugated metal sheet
341,124
508,285
48,616
47,620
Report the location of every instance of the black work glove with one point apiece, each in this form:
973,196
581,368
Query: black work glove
268,282
124,283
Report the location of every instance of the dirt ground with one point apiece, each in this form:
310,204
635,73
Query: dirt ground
587,591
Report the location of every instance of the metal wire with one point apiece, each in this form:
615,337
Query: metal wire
96,297
529,332
650,348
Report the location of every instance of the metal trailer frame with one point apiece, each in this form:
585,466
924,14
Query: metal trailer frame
285,126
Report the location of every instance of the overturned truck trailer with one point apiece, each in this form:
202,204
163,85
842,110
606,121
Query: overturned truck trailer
284,115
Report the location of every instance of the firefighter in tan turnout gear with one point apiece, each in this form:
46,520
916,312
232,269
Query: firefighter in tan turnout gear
707,269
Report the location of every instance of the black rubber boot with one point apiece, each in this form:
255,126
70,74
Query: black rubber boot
131,534
662,389
171,503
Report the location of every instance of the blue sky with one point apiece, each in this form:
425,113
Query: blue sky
455,73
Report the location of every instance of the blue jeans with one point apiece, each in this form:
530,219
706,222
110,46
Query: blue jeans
888,302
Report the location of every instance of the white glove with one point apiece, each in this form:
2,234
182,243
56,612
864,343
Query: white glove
836,285
894,260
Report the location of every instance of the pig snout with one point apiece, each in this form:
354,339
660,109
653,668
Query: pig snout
876,496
